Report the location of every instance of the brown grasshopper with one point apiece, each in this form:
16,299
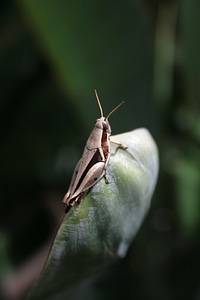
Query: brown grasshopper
93,163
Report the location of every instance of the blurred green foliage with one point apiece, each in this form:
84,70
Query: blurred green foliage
52,56
5,263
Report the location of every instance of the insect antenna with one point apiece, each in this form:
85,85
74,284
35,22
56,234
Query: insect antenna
99,103
114,109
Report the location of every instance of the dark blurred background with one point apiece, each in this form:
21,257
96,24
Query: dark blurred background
53,54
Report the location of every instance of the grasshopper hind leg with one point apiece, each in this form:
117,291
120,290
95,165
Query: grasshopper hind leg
106,177
77,200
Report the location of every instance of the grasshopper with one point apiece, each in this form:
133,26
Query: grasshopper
93,163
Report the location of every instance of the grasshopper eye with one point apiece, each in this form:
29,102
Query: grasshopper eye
106,126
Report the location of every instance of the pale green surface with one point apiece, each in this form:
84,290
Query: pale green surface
103,226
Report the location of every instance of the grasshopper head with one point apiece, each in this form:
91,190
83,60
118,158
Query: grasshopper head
103,124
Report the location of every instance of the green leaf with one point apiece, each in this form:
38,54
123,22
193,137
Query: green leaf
187,192
190,41
96,45
102,227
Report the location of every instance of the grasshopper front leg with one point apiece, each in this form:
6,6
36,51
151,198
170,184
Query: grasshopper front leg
118,144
